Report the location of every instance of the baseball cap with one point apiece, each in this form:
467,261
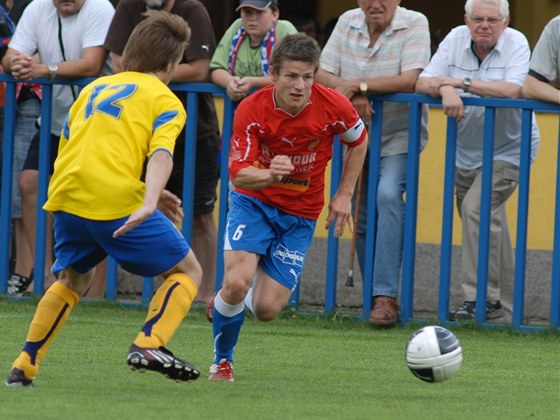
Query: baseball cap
256,4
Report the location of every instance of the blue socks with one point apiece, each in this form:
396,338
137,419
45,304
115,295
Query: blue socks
226,323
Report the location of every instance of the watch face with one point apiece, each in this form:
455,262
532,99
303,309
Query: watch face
53,70
363,87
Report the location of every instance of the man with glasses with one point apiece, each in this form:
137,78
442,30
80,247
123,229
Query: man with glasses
483,58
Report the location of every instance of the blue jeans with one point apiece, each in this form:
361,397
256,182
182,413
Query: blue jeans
390,224
27,113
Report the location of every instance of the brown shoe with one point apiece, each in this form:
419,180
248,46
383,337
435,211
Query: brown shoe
385,311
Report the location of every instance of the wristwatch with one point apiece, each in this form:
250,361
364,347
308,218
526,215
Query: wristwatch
53,71
363,87
467,82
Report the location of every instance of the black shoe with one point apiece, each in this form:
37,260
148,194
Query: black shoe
18,284
467,311
17,378
163,361
494,309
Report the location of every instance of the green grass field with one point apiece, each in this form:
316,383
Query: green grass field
296,367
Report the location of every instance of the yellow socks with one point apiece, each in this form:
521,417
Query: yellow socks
168,308
51,314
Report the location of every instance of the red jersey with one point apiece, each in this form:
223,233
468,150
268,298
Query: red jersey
261,131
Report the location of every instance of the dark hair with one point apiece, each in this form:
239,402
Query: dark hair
296,47
157,41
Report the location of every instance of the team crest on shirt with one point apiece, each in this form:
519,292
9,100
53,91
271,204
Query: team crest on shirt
313,143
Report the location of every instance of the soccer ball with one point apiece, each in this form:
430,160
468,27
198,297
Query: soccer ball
433,354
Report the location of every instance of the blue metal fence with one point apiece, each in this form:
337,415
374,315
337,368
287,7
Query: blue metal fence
415,102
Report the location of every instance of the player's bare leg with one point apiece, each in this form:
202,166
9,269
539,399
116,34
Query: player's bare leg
204,244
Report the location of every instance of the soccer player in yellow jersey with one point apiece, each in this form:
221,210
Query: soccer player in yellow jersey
101,207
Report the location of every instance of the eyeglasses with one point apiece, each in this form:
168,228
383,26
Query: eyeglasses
492,20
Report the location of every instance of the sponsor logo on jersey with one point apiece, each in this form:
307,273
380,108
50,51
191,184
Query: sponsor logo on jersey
303,159
289,257
294,184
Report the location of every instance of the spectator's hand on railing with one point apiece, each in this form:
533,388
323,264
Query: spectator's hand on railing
452,103
236,88
21,67
170,205
363,107
436,83
348,88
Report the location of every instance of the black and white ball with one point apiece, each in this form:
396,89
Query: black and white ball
433,354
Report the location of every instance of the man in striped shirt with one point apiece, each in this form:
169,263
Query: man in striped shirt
380,47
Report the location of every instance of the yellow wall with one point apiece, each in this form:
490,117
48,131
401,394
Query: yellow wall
532,15
541,195
542,187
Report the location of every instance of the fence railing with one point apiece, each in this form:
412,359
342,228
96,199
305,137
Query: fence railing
415,102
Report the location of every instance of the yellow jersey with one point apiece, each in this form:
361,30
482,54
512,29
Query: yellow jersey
115,124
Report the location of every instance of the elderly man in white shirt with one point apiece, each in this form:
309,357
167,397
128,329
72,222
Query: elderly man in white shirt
483,58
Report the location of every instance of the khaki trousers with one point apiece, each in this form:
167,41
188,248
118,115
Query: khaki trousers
468,184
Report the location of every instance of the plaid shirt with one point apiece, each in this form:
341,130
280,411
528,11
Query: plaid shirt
403,46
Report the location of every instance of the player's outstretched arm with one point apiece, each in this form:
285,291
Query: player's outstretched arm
340,207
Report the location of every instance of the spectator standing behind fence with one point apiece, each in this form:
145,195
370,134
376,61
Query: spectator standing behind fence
483,58
55,40
28,108
193,68
380,48
241,61
543,81
306,22
101,206
281,144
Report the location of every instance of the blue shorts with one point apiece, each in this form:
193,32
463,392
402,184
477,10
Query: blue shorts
150,249
280,238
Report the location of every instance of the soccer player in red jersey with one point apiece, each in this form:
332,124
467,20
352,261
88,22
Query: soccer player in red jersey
281,144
